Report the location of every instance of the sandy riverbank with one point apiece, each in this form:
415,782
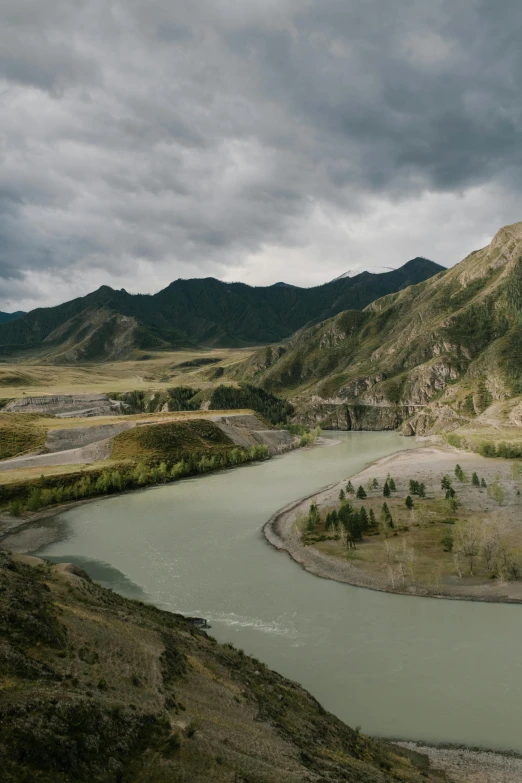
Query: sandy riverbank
425,465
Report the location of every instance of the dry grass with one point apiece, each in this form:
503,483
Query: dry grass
160,371
26,474
52,423
19,433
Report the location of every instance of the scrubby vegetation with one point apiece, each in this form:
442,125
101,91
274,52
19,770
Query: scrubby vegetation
486,448
98,688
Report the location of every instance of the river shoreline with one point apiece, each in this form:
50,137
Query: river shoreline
25,535
470,765
280,530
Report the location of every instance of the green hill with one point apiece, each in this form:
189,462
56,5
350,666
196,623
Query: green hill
437,353
96,688
109,324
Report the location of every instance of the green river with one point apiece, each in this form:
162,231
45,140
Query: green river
398,666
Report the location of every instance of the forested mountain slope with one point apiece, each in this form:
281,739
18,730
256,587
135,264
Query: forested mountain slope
109,324
5,317
454,341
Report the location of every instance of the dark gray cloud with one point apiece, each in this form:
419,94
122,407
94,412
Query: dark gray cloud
267,139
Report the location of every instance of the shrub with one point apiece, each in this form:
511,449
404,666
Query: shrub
447,542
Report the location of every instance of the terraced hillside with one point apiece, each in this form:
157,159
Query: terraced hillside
436,354
101,689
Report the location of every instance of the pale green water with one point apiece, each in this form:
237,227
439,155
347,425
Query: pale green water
398,666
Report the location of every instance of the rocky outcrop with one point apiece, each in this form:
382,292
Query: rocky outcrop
65,405
353,416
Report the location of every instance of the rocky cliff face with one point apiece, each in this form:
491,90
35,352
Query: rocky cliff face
353,416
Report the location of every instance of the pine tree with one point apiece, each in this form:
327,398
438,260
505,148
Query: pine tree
409,503
314,518
445,482
375,483
349,488
372,522
361,493
363,518
459,473
483,483
342,495
386,490
391,484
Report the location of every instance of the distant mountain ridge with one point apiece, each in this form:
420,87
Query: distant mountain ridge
109,324
5,317
437,354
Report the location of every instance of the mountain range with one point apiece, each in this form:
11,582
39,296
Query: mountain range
435,353
110,324
5,317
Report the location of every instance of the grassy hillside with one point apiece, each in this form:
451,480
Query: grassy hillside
170,441
113,325
102,689
454,341
19,433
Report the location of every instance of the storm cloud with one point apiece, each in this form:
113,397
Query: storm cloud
256,140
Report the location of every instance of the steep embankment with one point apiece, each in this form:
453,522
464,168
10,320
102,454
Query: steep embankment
66,405
437,353
99,688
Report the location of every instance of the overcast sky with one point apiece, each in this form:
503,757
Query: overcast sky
253,140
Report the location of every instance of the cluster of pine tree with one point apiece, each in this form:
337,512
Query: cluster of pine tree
274,409
417,488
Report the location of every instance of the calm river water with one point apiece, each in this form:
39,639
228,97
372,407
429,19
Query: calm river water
398,666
